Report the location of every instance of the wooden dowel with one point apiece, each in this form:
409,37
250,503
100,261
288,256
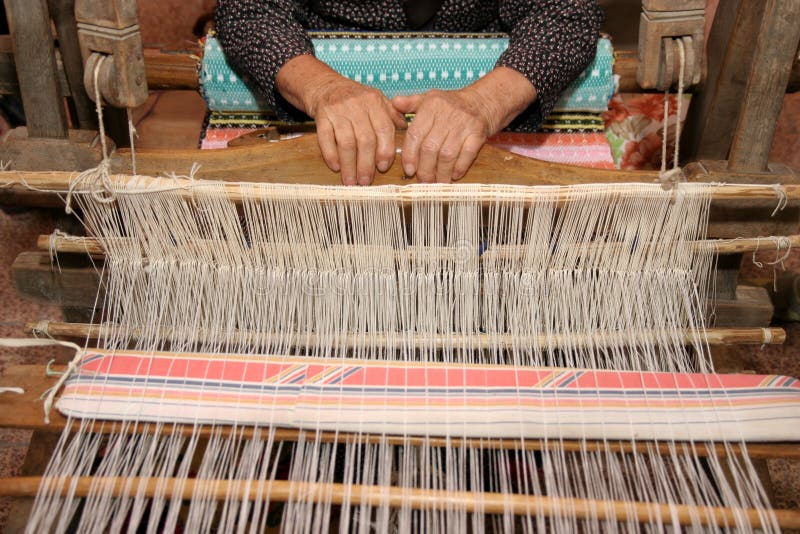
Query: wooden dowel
396,497
22,181
93,246
714,336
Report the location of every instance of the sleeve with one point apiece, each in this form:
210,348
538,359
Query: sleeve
259,37
551,43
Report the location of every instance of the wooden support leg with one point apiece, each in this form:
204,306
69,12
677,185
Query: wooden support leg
715,109
775,47
35,59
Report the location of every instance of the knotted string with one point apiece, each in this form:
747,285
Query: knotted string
670,177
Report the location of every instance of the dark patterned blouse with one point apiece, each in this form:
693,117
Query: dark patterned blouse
551,41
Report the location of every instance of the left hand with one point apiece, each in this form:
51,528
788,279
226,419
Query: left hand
446,135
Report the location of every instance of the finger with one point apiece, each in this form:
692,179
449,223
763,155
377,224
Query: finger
346,148
407,104
327,144
469,151
384,133
448,154
417,131
429,150
398,118
366,143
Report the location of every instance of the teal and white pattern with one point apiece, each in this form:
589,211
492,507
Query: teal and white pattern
405,65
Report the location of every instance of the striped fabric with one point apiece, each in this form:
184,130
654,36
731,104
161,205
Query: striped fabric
431,399
404,64
581,149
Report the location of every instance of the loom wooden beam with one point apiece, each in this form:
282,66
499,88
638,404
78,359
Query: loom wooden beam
713,336
177,70
397,497
63,244
60,182
25,411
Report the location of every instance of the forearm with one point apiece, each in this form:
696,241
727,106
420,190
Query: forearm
259,38
301,79
503,94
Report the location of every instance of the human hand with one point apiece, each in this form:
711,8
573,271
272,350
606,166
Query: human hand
450,127
355,123
448,131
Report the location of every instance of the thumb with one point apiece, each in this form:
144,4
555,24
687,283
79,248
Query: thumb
407,104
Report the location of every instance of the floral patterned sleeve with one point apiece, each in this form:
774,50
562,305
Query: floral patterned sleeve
551,42
259,37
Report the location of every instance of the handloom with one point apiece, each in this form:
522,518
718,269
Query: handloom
418,339
414,358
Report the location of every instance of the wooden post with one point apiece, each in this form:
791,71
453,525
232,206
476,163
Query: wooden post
63,14
715,108
775,47
34,55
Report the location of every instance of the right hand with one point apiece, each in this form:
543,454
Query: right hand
355,128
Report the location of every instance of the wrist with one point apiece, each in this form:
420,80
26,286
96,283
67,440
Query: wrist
303,80
501,95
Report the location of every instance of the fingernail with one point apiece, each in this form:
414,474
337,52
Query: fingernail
364,180
349,180
409,170
383,165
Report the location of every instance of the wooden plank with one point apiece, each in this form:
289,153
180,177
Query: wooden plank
75,284
751,306
29,23
775,48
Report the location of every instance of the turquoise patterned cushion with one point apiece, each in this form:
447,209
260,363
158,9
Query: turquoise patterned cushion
404,65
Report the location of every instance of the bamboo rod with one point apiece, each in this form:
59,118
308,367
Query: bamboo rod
62,182
396,497
68,244
713,336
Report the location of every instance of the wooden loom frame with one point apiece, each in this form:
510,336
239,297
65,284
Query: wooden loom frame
730,141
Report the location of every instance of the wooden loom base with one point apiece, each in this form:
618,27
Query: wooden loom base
25,411
396,497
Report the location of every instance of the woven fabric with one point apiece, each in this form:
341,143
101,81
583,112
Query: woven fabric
431,399
590,149
404,65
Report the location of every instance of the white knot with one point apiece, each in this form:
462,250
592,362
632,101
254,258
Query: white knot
783,198
671,177
42,327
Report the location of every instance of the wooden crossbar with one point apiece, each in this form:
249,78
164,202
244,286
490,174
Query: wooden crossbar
397,497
